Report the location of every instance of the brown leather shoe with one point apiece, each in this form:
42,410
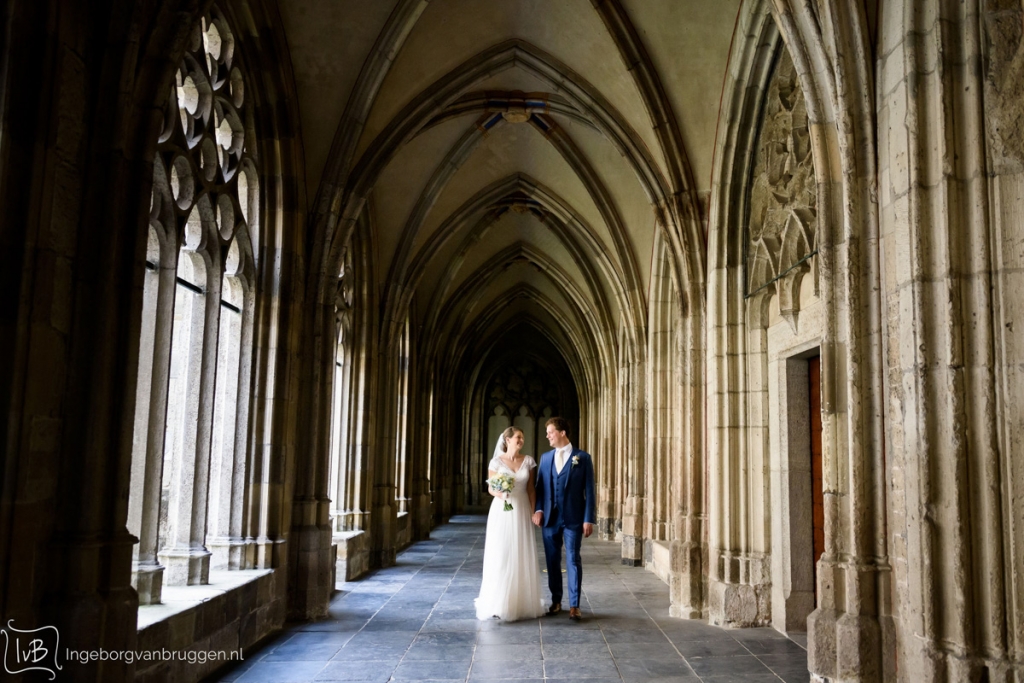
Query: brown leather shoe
574,613
555,609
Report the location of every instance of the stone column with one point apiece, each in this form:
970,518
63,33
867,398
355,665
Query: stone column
150,422
384,513
688,549
631,423
310,537
952,197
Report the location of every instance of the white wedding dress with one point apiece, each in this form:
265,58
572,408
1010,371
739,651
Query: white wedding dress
510,589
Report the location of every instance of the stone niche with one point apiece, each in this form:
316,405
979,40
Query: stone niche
783,218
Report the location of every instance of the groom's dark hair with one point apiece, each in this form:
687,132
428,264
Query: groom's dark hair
559,423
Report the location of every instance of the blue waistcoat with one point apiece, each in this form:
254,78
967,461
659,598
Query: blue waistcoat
560,491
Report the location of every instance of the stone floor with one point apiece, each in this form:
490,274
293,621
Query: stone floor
415,622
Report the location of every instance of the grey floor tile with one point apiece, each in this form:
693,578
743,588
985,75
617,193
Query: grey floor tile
661,650
799,638
348,627
507,636
580,668
804,677
508,651
417,622
723,647
344,621
381,638
507,669
616,635
370,672
741,678
308,646
451,638
779,646
428,670
369,653
654,668
390,625
758,635
790,666
435,652
562,622
575,651
235,671
413,603
727,666
282,672
570,636
691,629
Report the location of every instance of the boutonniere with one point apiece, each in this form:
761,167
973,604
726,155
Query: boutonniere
575,460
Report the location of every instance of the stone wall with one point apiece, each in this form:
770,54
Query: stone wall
228,618
866,207
950,202
81,128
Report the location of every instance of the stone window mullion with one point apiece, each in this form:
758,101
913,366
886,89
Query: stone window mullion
227,456
151,419
185,554
342,456
239,473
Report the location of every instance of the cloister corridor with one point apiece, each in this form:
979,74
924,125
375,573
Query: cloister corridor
277,277
415,622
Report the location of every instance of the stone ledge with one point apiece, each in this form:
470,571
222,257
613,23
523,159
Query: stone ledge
353,555
236,610
177,599
660,563
403,530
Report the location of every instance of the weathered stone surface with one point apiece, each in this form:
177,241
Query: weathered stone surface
209,371
1004,84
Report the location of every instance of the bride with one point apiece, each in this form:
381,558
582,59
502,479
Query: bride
510,588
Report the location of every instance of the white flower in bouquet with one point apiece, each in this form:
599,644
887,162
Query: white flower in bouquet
503,483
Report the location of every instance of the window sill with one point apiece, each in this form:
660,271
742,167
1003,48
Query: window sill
353,555
660,563
179,599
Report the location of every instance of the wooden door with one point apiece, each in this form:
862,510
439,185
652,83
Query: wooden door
817,489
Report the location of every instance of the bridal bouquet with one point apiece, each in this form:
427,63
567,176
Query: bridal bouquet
504,483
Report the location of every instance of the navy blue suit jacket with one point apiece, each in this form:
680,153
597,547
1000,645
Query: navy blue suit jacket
580,500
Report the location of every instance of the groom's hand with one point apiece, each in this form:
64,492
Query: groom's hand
538,517
588,529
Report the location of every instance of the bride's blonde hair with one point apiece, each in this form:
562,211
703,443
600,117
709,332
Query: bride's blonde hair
506,435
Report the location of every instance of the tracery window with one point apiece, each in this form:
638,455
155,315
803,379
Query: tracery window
344,468
402,426
190,448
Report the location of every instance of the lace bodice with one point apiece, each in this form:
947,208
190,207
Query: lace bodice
525,469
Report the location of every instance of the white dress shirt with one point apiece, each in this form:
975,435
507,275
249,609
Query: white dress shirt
561,455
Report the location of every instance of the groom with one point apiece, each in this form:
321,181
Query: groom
565,510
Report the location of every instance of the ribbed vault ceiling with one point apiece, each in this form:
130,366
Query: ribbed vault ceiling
512,153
